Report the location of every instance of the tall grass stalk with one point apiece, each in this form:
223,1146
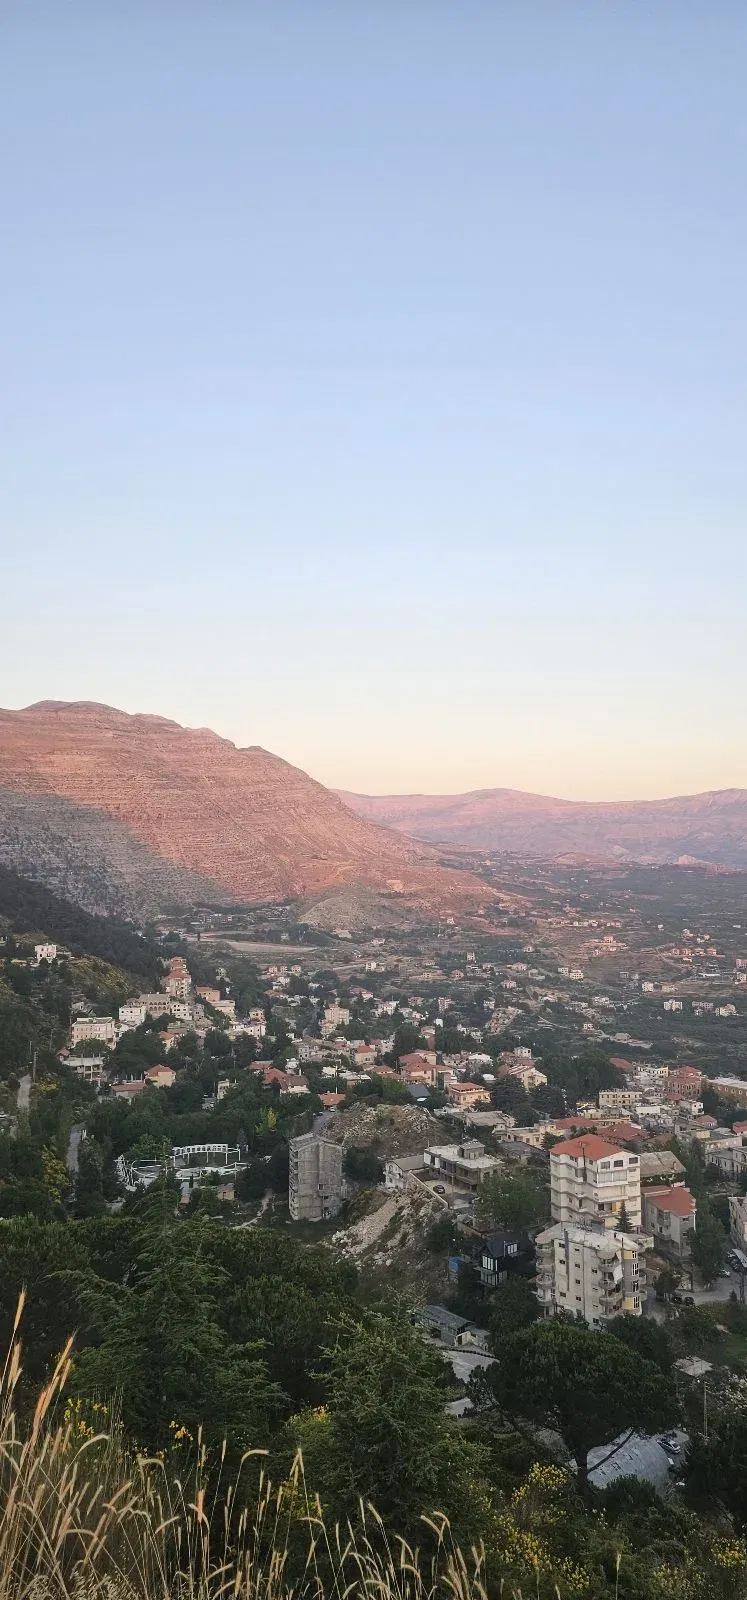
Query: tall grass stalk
83,1517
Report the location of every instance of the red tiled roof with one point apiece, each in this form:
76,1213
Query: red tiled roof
678,1199
623,1130
588,1145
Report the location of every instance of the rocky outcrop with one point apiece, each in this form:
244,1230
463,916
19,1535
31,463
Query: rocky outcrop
710,828
138,804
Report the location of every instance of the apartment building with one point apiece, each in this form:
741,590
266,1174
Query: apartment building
618,1099
595,1273
104,1029
591,1180
315,1180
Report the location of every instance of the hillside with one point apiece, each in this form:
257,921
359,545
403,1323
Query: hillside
710,828
135,813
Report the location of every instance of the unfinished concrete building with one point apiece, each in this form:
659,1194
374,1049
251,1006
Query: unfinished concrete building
315,1182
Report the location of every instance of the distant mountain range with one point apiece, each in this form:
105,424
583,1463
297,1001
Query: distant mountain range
709,828
135,814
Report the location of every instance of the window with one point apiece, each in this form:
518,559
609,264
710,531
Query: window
512,1249
618,1163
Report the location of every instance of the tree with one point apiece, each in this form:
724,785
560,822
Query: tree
363,1165
161,1349
707,1243
667,1281
649,1338
717,1466
513,1307
589,1387
512,1199
623,1220
389,1440
89,1183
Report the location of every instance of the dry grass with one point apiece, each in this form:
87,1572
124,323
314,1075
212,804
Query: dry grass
83,1518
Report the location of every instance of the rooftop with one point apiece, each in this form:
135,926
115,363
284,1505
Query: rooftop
589,1145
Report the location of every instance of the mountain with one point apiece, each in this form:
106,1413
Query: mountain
710,828
132,814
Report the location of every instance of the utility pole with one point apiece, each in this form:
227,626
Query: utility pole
705,1411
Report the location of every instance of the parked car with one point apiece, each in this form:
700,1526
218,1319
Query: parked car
689,1300
676,1297
438,1188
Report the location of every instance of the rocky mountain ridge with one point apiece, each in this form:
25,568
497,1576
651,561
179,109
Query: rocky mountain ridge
710,828
131,812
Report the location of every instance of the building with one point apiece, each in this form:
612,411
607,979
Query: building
207,993
128,1090
161,1077
738,1221
399,1171
44,952
448,1329
525,1073
683,1083
90,1068
501,1252
464,1164
595,1273
103,1029
132,1014
591,1180
619,1099
335,1017
669,1215
660,1166
467,1095
315,1182
734,1089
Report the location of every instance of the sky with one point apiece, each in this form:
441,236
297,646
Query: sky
373,382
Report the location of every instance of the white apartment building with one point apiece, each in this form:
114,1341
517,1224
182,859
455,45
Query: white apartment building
591,1180
104,1029
596,1273
132,1014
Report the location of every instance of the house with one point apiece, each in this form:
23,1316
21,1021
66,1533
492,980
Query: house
525,1073
591,1180
450,1330
399,1171
128,1090
465,1164
466,1095
331,1101
132,1014
593,1273
500,1253
419,1065
44,952
669,1214
90,1068
161,1077
207,992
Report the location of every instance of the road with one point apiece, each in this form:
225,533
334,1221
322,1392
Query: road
24,1093
77,1133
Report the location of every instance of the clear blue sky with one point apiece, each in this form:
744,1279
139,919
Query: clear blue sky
374,381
